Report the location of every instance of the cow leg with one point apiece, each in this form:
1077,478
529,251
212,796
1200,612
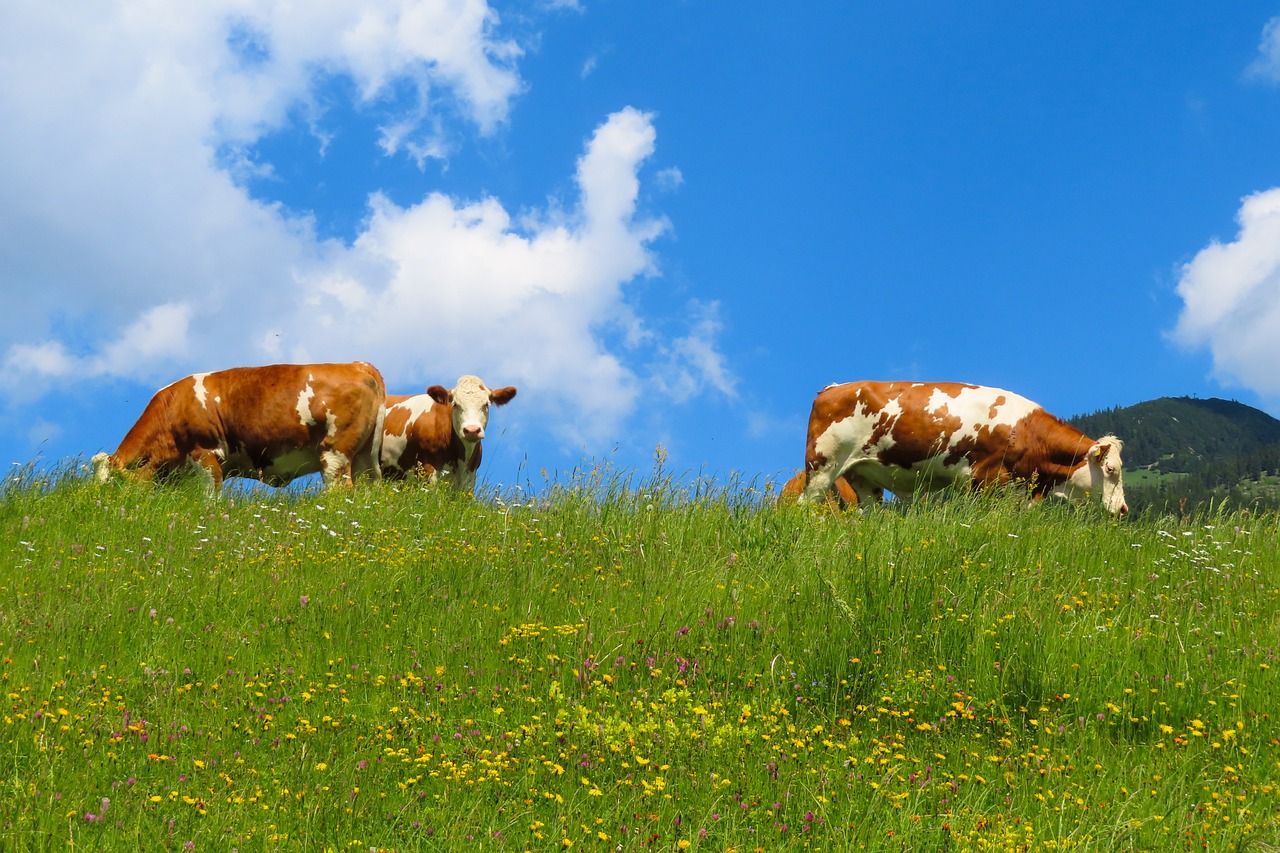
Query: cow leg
866,493
464,478
206,461
335,468
367,461
366,466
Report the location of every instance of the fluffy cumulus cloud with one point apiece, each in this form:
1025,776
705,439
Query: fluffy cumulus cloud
1231,296
134,251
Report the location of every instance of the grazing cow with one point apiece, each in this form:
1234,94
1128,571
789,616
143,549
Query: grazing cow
842,495
271,423
438,434
904,436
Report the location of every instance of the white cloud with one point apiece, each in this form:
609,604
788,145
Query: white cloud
134,252
1231,296
1267,64
115,114
159,335
693,361
441,285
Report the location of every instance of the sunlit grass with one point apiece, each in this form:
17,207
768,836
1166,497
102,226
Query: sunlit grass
630,665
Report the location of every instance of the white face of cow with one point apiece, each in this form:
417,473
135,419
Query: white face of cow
470,408
471,399
1103,474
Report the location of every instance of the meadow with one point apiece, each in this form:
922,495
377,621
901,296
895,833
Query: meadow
617,665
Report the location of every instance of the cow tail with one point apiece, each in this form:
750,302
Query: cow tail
378,435
379,388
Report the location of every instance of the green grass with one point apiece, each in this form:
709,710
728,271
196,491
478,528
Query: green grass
616,666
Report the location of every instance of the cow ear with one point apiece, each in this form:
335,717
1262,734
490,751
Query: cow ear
502,396
1099,450
440,394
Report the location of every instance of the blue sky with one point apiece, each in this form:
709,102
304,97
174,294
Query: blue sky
665,222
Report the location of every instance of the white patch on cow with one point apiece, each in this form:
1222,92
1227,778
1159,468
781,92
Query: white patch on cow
394,444
470,409
974,407
330,424
393,448
305,397
201,393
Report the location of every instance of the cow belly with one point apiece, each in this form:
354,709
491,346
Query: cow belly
292,464
928,474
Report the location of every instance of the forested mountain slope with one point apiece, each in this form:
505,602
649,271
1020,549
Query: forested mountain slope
1185,451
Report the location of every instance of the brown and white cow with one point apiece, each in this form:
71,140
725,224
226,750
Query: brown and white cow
438,434
273,424
906,436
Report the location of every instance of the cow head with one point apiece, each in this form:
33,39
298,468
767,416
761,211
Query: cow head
471,399
1105,474
101,467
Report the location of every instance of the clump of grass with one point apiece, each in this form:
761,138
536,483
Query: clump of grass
629,663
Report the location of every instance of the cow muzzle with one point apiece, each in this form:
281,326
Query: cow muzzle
472,432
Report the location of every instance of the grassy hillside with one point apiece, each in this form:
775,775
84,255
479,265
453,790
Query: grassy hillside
614,669
1185,452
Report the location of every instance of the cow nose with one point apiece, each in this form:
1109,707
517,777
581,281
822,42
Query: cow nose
473,432
1124,509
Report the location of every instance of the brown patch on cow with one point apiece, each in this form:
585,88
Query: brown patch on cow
397,416
1045,451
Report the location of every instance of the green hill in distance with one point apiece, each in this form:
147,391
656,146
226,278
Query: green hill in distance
1184,453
